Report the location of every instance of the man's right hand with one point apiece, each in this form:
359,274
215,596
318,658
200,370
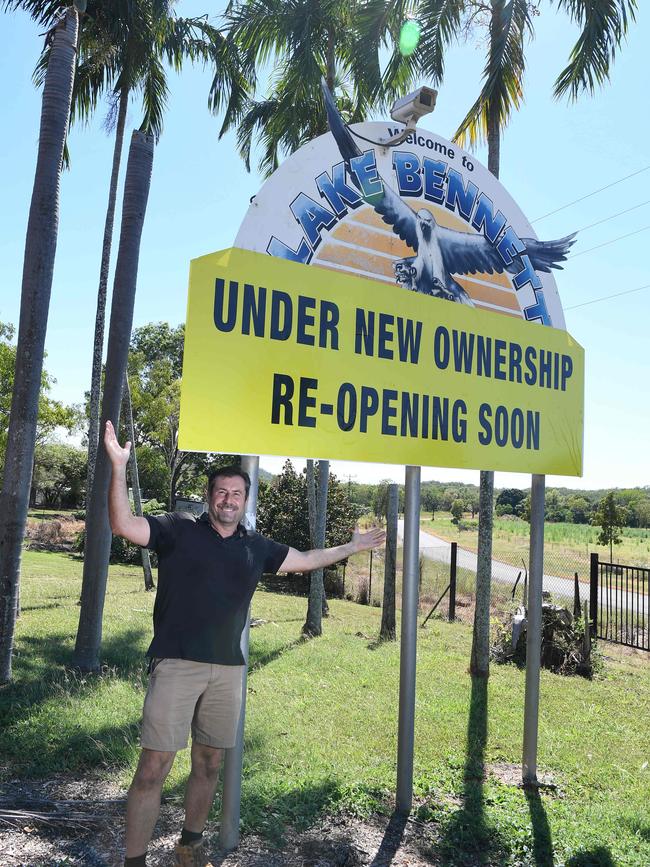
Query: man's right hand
118,456
123,521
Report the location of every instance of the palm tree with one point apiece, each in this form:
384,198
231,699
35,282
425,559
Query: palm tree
135,479
38,267
304,40
123,49
98,532
140,67
317,508
604,25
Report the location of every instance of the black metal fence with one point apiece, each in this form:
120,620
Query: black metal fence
618,595
619,606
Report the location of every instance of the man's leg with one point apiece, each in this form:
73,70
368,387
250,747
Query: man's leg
143,802
201,785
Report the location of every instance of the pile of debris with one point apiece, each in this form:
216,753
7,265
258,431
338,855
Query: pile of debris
566,640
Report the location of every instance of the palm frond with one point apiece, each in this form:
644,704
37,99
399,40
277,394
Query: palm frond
255,116
154,98
502,91
441,22
604,26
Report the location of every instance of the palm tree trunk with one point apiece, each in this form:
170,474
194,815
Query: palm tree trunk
98,532
311,502
387,630
311,513
480,659
98,341
313,623
38,268
135,480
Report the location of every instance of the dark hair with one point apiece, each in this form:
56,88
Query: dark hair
228,473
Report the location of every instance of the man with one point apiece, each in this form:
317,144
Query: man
208,569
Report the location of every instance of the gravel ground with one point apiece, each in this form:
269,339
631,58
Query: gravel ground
79,822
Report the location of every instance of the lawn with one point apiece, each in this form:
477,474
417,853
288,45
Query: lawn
322,723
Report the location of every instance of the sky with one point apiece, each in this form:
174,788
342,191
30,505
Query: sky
555,156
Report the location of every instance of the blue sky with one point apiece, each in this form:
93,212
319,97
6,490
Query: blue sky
552,154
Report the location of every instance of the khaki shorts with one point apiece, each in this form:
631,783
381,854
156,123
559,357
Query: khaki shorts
183,694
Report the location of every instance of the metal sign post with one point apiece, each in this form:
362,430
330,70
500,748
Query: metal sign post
408,648
534,629
234,758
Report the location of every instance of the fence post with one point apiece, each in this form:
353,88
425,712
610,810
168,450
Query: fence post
452,581
577,604
593,594
370,581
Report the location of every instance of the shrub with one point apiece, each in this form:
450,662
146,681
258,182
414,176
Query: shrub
44,534
122,551
362,595
153,507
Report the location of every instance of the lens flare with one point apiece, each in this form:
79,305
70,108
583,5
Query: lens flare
409,37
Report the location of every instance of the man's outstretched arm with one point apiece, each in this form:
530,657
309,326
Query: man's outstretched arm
123,521
307,561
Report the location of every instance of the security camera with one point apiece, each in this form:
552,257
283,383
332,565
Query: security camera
415,105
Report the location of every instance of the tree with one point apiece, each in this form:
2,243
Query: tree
508,24
641,511
282,510
387,629
154,369
313,623
52,414
457,510
578,509
510,497
149,36
430,500
305,41
38,267
123,48
611,518
98,533
135,481
380,499
472,503
59,475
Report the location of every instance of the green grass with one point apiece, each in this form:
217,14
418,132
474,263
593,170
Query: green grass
322,726
566,546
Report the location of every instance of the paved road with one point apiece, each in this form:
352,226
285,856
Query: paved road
435,548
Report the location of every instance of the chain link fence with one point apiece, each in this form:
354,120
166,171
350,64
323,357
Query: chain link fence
364,578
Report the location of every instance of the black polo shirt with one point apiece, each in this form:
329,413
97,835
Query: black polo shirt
205,585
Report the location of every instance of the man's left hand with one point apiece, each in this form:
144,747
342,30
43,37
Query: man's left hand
373,538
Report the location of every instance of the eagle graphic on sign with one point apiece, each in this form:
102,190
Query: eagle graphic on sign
439,251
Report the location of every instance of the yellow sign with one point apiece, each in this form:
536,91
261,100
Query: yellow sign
287,359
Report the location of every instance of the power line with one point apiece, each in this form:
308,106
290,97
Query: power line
611,217
607,243
607,297
582,198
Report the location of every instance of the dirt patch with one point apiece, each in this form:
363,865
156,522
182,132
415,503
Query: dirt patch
80,822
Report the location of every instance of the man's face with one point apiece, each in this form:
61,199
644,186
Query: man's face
227,501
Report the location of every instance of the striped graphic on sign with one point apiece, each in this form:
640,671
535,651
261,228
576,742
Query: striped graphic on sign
363,244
